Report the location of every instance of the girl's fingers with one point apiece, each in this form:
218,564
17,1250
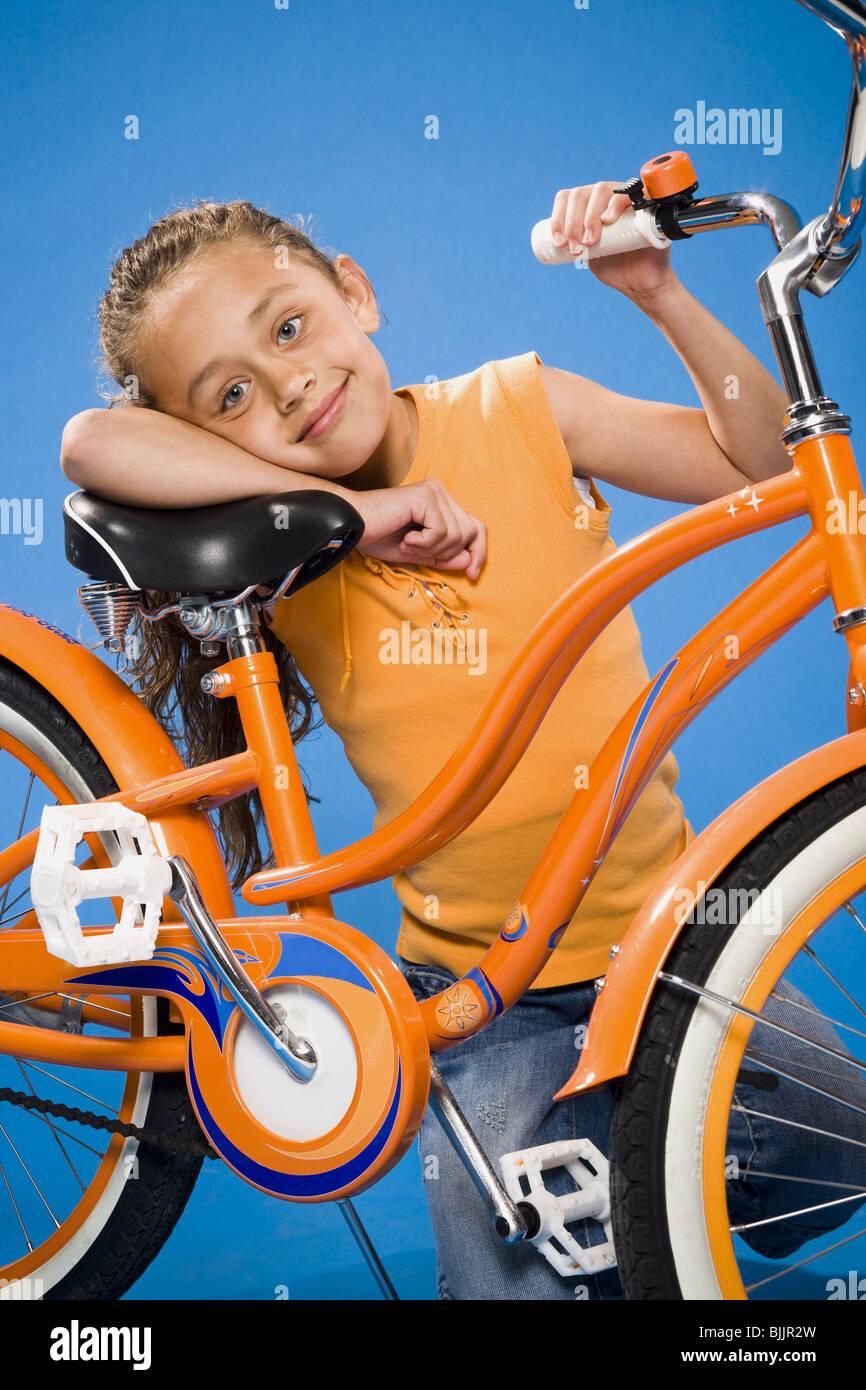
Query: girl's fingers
458,524
466,549
470,540
557,217
446,536
430,530
459,562
597,203
477,551
441,534
430,523
616,207
574,216
578,212
473,543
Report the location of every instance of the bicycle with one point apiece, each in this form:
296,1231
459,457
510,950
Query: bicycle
306,1058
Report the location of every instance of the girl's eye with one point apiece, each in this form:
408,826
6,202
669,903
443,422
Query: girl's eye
285,324
230,399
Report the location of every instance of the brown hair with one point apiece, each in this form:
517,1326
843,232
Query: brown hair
166,664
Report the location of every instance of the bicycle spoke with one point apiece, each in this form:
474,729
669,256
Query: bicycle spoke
816,1013
830,976
12,1002
692,988
19,1006
4,921
797,1124
18,835
789,1215
34,1115
58,994
756,1055
105,1008
808,1085
813,1182
60,1081
30,1176
51,1127
15,1208
789,1269
849,908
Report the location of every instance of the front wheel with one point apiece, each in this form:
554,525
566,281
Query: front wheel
738,1148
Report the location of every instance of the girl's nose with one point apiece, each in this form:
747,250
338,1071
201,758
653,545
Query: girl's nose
292,386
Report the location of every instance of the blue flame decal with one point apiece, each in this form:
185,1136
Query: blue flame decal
305,955
520,930
494,1003
556,935
163,973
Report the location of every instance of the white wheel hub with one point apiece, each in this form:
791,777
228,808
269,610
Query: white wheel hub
297,1110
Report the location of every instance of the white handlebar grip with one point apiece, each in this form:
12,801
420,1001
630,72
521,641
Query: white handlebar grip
631,231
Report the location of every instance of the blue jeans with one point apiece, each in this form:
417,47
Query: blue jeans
504,1079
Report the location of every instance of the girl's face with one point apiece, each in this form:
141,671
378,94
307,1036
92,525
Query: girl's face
251,352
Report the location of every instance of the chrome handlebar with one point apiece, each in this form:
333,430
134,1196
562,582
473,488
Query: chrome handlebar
845,16
846,212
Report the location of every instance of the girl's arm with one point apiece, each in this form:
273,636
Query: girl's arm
679,453
744,405
147,458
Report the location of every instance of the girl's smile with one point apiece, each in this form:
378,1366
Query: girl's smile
325,415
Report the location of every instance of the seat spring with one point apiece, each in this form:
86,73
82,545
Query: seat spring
111,606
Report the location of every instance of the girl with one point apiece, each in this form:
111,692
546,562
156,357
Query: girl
248,355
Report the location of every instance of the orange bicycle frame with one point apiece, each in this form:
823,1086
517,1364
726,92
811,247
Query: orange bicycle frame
153,780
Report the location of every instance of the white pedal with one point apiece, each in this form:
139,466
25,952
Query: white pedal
523,1174
142,878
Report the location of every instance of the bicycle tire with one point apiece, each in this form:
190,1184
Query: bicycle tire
126,1232
644,1134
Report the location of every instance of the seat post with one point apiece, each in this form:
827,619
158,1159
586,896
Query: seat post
251,677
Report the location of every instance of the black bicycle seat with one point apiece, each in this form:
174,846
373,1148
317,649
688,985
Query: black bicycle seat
205,550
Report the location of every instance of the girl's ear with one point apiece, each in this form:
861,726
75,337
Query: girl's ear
357,292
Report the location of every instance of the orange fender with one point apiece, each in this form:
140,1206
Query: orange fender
619,1010
133,744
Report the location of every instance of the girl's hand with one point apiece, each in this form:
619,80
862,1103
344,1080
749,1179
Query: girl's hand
421,524
578,217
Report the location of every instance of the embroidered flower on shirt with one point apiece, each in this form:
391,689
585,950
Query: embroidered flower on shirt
418,582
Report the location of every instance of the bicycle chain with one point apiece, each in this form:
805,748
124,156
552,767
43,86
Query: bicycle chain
94,1121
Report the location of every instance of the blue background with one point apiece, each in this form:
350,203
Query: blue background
321,108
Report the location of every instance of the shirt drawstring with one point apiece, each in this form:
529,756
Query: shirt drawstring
419,580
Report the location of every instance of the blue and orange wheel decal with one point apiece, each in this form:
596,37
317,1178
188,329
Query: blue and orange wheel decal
363,988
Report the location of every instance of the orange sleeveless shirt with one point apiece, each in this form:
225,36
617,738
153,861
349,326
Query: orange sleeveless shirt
373,641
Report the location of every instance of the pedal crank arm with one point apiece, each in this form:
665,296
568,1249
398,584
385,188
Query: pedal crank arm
512,1221
296,1054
